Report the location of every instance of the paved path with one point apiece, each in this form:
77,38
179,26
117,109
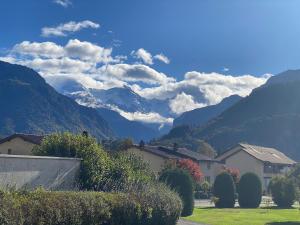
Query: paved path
184,222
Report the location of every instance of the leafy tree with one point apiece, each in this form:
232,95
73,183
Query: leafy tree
283,191
250,191
224,191
181,181
95,165
192,167
235,173
127,169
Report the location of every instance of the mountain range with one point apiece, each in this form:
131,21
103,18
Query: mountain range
30,105
269,116
199,117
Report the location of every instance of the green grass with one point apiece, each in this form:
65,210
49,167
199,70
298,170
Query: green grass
237,216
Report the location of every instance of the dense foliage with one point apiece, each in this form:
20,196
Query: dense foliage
180,181
250,191
99,170
224,191
192,167
148,207
235,173
283,191
95,165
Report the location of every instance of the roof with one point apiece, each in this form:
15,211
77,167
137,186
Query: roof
264,154
179,153
32,138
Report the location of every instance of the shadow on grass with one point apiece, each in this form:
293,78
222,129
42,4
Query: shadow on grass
284,223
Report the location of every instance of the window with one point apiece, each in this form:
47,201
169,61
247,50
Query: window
9,151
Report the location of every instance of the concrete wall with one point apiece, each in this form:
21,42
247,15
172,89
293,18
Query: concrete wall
29,172
17,146
156,162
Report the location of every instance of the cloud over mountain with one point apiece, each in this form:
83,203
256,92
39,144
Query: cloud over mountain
96,67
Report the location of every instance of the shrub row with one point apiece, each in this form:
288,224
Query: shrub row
90,208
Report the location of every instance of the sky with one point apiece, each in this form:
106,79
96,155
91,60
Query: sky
175,49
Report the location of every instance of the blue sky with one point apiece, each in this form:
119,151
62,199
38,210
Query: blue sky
193,52
248,37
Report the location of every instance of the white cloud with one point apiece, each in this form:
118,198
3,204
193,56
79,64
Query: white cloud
87,51
135,73
147,57
161,57
75,49
68,28
206,88
64,3
144,55
36,49
151,117
183,102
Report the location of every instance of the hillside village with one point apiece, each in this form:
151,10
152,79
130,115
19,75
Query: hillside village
265,162
149,112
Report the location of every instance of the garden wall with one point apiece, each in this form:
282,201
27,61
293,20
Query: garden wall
52,173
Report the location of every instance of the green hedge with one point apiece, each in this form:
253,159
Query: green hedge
90,208
224,191
250,191
180,181
283,191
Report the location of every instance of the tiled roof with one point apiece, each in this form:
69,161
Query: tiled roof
35,139
171,153
264,154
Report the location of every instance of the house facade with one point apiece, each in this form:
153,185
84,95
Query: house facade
157,156
264,162
19,144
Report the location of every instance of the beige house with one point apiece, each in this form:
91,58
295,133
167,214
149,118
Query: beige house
157,156
263,161
19,144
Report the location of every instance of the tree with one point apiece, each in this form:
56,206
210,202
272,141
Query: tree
283,191
224,191
192,167
250,191
235,173
95,163
180,181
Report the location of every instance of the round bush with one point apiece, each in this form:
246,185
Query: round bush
283,191
224,191
250,191
180,181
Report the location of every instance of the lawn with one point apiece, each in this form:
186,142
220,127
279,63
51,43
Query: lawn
237,216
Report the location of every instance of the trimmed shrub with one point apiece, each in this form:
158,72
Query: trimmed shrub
250,191
180,181
224,191
283,191
90,208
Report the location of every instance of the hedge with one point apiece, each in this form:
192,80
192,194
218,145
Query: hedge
283,191
180,181
224,191
250,191
90,208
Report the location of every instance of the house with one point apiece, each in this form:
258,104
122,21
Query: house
263,161
19,144
157,156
